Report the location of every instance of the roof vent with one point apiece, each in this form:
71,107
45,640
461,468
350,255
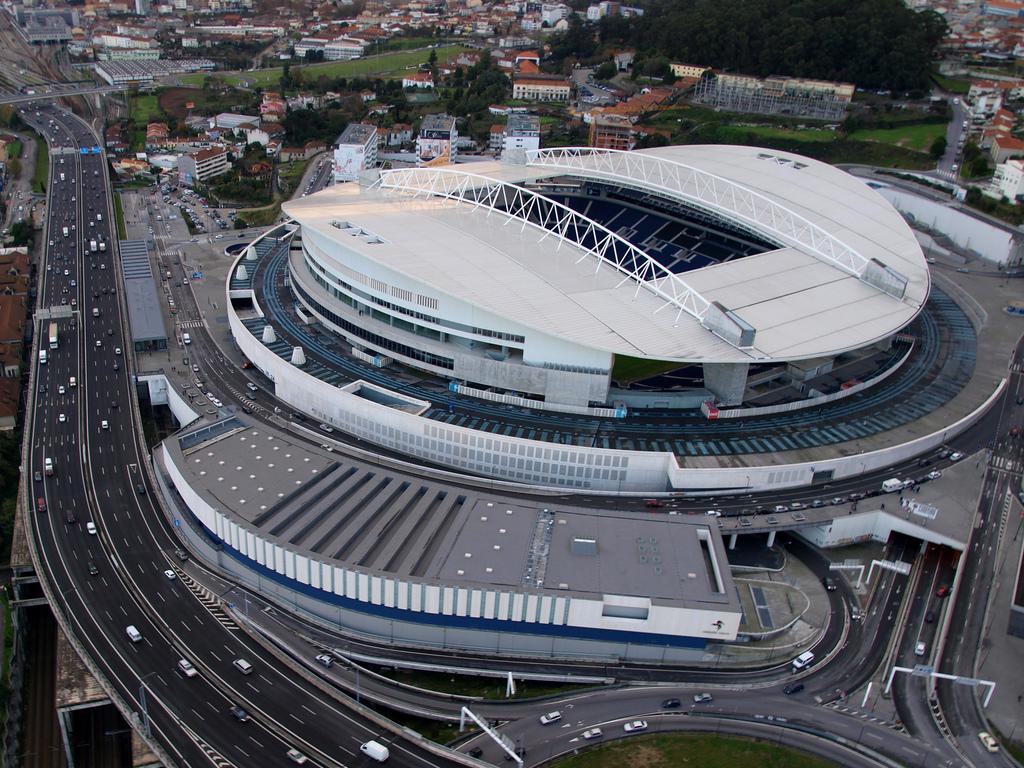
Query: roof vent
582,545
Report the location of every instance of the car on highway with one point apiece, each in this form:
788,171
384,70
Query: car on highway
186,668
325,659
593,733
793,688
104,424
62,418
990,744
702,698
238,713
252,387
550,717
326,428
297,757
920,648
242,666
829,583
90,528
929,617
60,390
935,474
635,725
93,570
672,703
942,591
171,575
955,456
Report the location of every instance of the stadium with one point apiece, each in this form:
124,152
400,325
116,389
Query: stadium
606,321
713,263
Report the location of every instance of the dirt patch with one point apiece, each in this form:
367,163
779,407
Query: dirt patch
645,756
173,101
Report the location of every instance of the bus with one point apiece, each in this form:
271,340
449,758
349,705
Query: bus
53,335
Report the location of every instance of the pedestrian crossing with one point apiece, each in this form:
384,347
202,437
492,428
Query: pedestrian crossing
192,324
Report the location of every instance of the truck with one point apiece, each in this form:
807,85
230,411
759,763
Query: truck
892,485
93,247
53,335
65,231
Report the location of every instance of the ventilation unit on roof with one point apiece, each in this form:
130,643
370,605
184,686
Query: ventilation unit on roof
582,545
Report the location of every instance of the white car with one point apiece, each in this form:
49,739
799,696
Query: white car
252,387
550,717
955,456
90,528
593,733
635,725
62,418
104,424
186,668
171,575
986,739
934,474
325,659
60,390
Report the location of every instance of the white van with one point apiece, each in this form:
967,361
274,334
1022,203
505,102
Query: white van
72,382
133,634
376,750
186,339
892,484
243,666
803,660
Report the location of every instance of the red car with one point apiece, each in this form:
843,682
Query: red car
942,591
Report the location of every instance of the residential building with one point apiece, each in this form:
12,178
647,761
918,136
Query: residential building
522,133
355,151
397,135
202,165
438,136
418,80
539,88
694,71
611,132
496,139
554,13
157,135
1008,181
1006,147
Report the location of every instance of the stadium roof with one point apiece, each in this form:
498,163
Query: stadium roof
801,303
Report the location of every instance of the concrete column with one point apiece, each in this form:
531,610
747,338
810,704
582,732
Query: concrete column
732,540
727,381
771,539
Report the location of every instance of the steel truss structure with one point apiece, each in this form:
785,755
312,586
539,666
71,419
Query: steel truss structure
555,220
728,199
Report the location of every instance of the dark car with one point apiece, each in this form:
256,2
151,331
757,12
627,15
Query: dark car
93,570
830,584
929,617
38,476
670,703
238,713
792,688
520,752
475,752
140,489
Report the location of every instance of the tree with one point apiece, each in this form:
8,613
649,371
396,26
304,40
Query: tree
606,71
938,148
21,234
14,167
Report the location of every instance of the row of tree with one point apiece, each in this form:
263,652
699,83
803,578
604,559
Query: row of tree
873,43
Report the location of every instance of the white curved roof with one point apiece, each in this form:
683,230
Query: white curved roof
801,304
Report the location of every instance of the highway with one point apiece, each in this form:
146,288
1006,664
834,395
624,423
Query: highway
98,479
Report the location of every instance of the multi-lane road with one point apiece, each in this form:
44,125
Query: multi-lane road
101,583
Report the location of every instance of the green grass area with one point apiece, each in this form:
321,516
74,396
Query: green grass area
14,150
145,108
774,132
473,685
629,369
371,66
706,751
42,169
290,176
951,84
917,137
122,230
261,217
